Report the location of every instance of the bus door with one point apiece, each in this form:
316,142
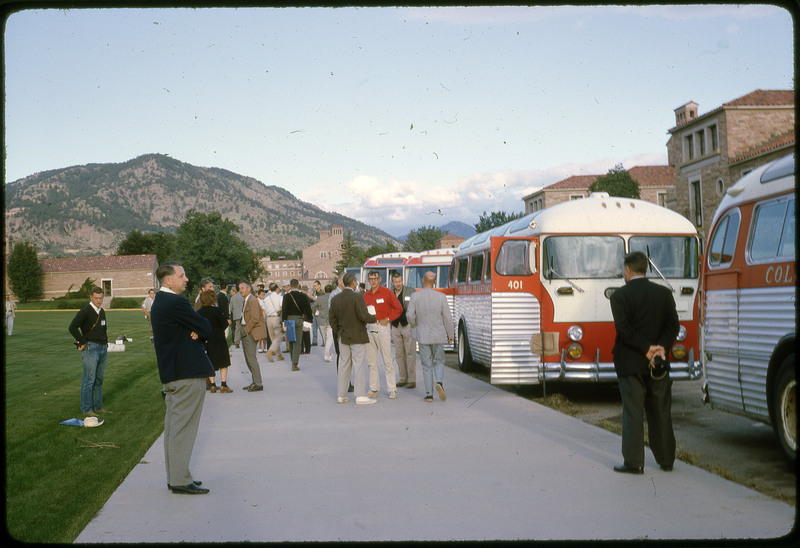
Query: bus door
721,313
515,310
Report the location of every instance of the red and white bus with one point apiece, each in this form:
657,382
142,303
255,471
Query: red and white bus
434,260
387,264
748,318
437,261
542,284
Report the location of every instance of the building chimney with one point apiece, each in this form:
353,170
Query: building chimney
686,113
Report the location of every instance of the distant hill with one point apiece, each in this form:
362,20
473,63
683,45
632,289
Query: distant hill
459,229
88,210
454,227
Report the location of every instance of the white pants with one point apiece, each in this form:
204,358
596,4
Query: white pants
380,341
328,343
352,358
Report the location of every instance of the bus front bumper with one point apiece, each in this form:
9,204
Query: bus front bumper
598,371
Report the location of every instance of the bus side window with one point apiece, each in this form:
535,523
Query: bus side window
461,274
476,268
512,258
769,220
488,274
723,242
787,248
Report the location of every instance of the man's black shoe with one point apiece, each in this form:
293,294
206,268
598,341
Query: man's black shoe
196,482
625,469
249,386
256,388
351,388
666,467
190,489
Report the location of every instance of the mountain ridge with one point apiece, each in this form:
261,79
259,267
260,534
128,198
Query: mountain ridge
88,209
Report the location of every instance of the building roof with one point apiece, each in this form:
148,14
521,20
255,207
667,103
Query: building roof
764,98
757,98
780,141
114,262
646,176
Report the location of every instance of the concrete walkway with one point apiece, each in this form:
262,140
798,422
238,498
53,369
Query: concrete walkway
290,464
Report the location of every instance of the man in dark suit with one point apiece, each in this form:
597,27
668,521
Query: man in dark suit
183,367
646,322
348,317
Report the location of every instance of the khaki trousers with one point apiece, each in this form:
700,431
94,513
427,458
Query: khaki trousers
275,330
380,341
405,353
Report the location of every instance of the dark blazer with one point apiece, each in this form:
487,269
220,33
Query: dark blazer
404,298
178,355
644,315
216,345
348,317
224,305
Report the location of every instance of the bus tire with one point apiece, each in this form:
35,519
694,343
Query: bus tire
465,362
784,403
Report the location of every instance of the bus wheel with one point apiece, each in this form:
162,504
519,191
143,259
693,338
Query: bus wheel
465,362
784,401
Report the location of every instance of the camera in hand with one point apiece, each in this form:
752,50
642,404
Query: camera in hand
658,367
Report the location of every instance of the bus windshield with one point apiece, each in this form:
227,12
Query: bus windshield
675,256
583,257
416,273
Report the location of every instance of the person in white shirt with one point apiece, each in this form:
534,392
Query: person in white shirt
147,304
272,308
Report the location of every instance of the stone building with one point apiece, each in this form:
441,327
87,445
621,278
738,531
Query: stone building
319,259
654,184
280,271
710,152
118,275
448,240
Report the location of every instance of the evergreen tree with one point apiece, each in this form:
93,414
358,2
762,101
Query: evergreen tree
351,255
423,238
494,219
25,275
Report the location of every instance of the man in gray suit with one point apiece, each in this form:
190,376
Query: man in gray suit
348,317
237,307
432,326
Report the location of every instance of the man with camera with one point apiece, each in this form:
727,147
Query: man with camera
646,323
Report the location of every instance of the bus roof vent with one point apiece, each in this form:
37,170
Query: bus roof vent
598,195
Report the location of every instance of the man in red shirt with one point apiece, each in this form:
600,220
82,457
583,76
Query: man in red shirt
384,305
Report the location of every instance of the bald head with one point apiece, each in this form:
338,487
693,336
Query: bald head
429,279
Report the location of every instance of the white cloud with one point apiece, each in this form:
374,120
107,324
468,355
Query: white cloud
399,206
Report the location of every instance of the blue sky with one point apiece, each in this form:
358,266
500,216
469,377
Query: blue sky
398,117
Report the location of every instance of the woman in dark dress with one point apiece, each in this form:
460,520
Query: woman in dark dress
216,345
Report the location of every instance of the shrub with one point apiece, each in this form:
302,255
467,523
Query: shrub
62,303
126,302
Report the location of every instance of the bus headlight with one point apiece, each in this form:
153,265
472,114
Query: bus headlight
681,334
575,351
575,333
679,351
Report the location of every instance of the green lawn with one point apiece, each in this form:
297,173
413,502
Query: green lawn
58,477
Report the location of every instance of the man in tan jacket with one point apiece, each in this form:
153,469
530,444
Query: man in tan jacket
254,329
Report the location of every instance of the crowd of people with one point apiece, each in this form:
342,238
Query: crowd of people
262,321
193,345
